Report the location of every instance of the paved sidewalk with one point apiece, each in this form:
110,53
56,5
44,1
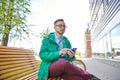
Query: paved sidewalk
102,70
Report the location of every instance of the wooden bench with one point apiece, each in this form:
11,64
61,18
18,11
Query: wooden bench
20,64
17,64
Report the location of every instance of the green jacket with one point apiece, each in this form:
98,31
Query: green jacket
49,53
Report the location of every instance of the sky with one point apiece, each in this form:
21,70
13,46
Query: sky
44,12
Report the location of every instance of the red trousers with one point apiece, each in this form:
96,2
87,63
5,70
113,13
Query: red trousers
67,71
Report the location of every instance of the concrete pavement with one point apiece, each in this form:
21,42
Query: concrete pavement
101,69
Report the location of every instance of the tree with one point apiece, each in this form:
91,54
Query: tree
113,50
13,15
45,33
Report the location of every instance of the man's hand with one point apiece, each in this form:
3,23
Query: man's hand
68,51
63,51
71,53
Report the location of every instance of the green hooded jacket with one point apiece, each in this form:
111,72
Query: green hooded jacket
49,53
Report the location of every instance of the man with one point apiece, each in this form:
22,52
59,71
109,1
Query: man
56,56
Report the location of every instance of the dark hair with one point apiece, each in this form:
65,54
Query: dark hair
58,20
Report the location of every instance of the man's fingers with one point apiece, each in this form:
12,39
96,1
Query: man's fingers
70,53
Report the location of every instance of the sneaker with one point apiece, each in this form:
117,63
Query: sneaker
94,77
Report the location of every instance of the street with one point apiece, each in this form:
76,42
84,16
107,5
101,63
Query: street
102,70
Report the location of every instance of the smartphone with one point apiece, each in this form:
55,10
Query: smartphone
74,49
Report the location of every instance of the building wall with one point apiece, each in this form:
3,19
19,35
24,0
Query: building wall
105,26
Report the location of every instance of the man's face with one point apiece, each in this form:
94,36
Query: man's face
60,27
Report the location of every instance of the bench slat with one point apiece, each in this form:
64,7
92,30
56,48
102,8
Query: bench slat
13,62
6,52
15,65
4,48
29,77
15,56
16,68
13,59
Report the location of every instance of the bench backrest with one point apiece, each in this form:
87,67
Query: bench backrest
17,63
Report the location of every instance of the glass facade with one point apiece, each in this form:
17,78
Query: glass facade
109,43
105,28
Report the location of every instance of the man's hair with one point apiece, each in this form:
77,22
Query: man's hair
58,20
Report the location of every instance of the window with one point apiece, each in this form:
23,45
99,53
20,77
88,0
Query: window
108,1
115,38
100,13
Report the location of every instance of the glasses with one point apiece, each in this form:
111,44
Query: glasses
61,26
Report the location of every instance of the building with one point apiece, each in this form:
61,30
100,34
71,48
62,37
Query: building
88,50
105,27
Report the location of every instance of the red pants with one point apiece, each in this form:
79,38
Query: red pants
67,71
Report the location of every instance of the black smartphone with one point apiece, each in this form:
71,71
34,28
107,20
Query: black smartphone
74,49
